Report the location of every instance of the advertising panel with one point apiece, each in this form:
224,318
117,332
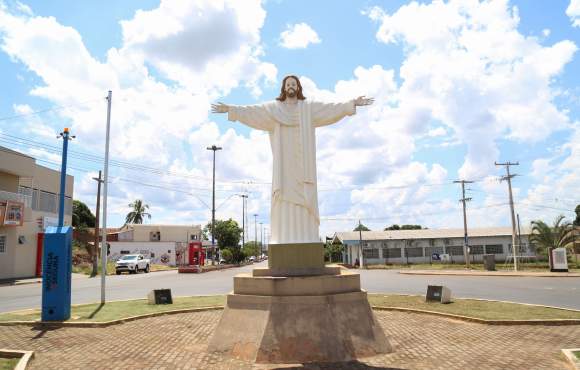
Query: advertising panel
14,213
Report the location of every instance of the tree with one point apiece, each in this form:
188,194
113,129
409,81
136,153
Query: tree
227,233
227,255
411,227
546,238
577,220
332,251
361,227
252,249
138,212
404,227
82,215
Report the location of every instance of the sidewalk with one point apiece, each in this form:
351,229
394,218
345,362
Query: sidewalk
33,280
489,273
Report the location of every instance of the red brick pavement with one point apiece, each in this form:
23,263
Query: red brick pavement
180,342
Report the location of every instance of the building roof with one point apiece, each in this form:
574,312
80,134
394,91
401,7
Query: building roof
8,150
425,234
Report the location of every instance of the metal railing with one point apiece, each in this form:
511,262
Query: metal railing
15,197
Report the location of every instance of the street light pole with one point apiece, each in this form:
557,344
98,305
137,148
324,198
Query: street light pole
261,238
214,149
244,197
256,229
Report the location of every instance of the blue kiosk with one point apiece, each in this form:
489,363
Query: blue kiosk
57,257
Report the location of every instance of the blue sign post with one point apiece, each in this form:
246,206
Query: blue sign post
57,257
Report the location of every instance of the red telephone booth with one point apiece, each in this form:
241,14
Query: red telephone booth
196,255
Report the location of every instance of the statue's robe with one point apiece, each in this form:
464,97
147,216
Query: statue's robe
294,209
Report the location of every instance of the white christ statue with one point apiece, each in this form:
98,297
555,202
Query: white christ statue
291,120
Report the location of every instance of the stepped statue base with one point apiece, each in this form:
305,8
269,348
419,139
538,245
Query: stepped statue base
298,310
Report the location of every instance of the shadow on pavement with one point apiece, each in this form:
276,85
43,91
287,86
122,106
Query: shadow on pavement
96,311
336,365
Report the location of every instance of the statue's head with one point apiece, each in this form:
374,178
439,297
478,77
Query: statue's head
291,87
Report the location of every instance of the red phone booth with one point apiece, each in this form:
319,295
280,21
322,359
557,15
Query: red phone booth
196,255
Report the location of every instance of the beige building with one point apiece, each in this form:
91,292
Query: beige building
163,244
419,246
28,204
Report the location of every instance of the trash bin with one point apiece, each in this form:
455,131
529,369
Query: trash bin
489,262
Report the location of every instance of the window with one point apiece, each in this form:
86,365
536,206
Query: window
431,250
2,243
494,249
125,252
371,253
392,252
154,236
193,237
455,250
169,251
414,252
476,249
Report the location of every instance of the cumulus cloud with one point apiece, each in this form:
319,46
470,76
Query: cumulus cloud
467,66
573,11
154,122
298,36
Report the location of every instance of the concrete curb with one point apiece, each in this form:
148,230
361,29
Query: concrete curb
572,359
485,273
88,324
554,322
25,357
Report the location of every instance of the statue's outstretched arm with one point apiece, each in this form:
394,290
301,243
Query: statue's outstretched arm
220,108
363,100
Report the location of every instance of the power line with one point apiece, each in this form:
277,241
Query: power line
51,109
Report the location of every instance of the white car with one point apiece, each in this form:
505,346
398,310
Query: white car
252,259
132,263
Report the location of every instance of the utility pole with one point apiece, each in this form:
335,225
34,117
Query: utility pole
362,256
214,149
508,178
465,240
256,229
99,181
105,188
261,238
244,197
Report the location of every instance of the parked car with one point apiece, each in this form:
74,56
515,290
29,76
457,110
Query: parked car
132,263
252,259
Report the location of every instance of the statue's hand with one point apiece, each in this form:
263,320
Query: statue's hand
362,100
220,108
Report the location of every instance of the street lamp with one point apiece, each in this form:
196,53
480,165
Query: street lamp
256,229
244,197
214,149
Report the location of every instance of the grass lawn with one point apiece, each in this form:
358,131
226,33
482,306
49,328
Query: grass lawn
120,309
577,354
474,308
8,363
466,307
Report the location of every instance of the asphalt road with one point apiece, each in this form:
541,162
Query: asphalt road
559,292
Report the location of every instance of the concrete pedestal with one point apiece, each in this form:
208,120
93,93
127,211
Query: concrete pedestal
296,319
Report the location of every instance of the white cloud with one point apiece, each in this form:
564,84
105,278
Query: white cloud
438,131
573,11
153,122
467,66
298,36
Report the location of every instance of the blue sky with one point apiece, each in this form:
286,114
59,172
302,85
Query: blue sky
458,85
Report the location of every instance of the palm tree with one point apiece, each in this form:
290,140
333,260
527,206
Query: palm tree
547,238
136,215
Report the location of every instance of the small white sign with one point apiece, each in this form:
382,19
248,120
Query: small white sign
559,259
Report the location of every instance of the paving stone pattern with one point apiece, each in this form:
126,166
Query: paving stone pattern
180,342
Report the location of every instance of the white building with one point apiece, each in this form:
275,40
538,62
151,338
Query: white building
418,246
163,244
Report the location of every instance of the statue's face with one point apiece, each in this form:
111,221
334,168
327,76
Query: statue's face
291,87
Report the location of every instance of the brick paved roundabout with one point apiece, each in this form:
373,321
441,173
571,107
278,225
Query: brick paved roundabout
180,341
